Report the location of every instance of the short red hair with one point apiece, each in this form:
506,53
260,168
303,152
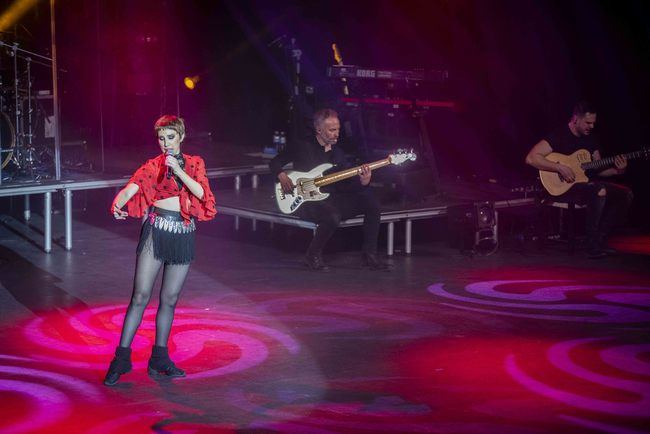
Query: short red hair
172,122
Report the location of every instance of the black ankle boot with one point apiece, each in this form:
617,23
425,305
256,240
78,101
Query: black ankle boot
161,364
315,262
121,364
374,262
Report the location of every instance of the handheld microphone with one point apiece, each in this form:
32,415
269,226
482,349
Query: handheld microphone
170,172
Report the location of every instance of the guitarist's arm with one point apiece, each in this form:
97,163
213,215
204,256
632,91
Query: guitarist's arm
620,164
537,158
276,167
286,182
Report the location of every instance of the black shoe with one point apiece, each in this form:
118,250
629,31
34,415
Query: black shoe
315,263
161,364
170,370
373,261
121,364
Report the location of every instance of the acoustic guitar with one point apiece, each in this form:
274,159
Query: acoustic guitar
580,162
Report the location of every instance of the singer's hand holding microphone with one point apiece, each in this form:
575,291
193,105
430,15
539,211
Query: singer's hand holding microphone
172,163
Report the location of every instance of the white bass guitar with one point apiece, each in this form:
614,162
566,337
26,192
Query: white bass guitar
308,183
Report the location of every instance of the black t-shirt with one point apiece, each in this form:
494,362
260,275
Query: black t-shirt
306,155
563,141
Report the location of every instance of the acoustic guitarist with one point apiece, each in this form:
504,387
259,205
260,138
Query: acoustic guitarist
347,198
607,203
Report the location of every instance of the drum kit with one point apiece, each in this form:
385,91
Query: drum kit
25,151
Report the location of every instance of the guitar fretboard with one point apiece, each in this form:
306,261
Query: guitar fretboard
348,173
603,163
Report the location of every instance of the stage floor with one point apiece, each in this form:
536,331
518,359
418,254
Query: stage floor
515,342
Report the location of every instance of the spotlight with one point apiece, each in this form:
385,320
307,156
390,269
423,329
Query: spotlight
473,228
190,82
14,12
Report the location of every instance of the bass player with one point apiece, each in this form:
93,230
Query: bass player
347,199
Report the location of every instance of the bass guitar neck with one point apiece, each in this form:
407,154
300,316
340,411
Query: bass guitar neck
348,173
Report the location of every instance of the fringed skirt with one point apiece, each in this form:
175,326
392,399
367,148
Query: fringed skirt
168,237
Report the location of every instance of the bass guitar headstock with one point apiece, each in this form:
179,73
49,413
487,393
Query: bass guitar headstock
401,156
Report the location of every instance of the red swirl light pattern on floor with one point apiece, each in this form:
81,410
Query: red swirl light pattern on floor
620,358
618,376
551,301
489,367
92,335
38,398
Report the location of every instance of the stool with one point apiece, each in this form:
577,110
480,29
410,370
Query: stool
570,207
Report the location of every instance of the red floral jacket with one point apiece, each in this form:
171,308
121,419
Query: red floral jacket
154,185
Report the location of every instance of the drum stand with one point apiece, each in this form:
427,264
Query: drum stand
23,154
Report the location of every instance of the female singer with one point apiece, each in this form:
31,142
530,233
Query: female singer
172,191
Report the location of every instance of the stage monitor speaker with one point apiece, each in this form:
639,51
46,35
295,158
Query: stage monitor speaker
473,228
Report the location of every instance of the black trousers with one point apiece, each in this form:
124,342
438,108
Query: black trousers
328,214
603,212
